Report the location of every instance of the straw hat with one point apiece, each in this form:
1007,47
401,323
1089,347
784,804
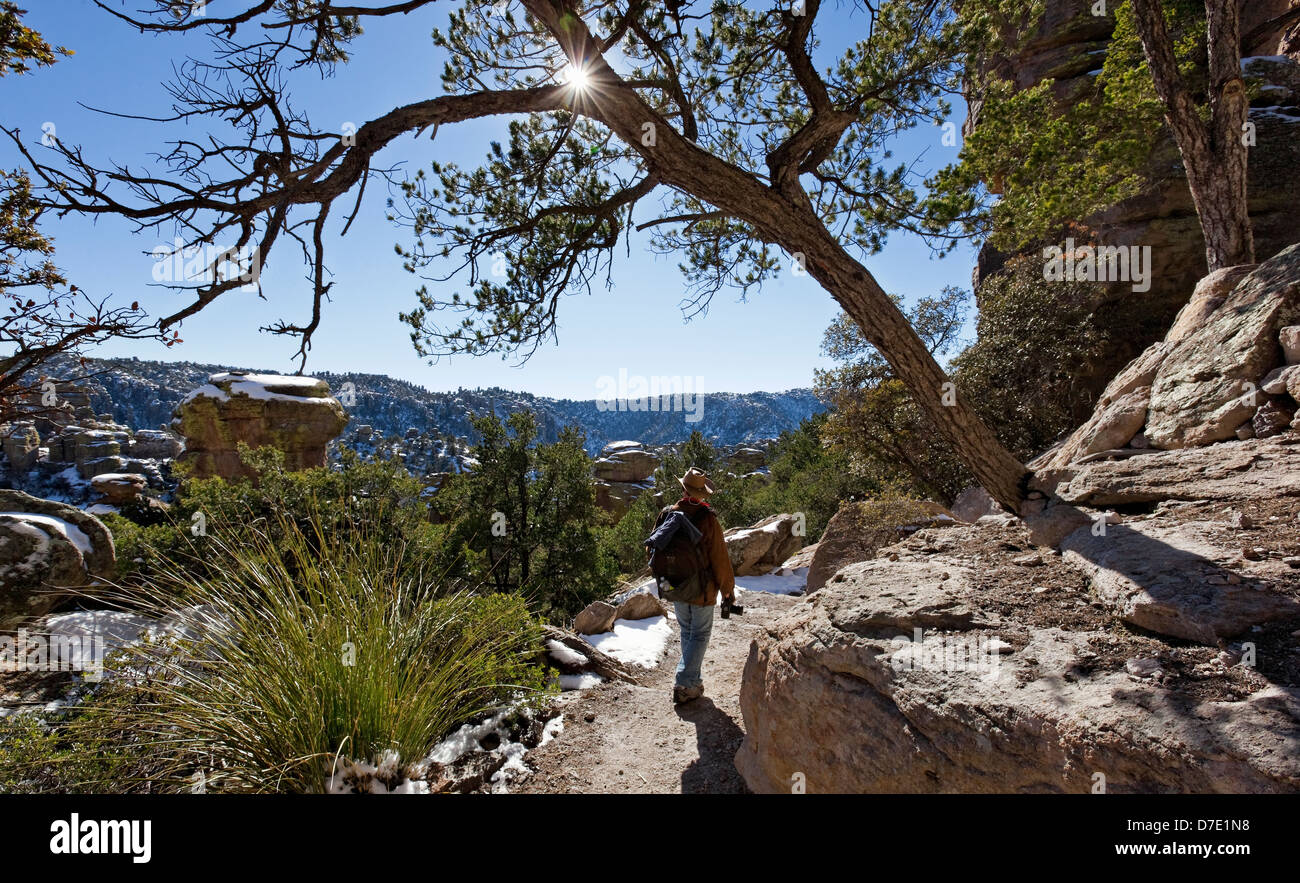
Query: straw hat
696,483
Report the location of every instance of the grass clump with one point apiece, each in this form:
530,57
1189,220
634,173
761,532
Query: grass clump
314,646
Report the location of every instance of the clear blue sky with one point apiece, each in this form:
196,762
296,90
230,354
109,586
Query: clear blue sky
770,342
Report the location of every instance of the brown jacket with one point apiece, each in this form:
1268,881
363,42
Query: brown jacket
724,579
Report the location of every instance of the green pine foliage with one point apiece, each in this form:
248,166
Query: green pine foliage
525,519
1040,160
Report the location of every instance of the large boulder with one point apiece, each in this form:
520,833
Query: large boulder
118,488
763,547
625,461
905,677
296,415
1209,294
46,549
155,444
1112,425
1209,380
640,605
858,530
595,619
1206,385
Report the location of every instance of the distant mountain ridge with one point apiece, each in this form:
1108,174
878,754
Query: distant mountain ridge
142,394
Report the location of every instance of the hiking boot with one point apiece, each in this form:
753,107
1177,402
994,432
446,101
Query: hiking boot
687,694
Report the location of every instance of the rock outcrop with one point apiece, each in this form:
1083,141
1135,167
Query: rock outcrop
625,461
1069,48
1205,386
1218,375
763,547
118,488
623,473
46,549
295,415
858,530
1228,471
1171,579
21,445
972,668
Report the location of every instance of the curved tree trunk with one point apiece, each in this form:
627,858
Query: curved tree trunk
791,221
861,296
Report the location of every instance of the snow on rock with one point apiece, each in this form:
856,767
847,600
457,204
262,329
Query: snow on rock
207,391
553,728
467,738
566,655
635,641
117,628
69,532
388,776
264,380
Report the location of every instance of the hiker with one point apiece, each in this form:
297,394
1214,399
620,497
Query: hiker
690,562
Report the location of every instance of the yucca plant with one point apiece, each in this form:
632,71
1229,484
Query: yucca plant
313,647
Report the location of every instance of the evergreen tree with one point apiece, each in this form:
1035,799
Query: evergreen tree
753,156
525,519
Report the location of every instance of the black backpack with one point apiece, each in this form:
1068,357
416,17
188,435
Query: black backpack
681,568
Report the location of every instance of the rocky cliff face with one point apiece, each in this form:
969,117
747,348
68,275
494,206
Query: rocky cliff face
1225,370
1069,49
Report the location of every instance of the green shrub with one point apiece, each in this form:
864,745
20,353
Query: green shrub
38,755
380,493
623,540
1045,351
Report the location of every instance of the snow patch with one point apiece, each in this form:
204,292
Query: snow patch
565,655
69,532
787,582
583,681
635,641
283,380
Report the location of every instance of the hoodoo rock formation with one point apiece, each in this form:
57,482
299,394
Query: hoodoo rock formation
296,415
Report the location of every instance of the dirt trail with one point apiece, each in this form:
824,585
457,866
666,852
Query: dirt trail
620,738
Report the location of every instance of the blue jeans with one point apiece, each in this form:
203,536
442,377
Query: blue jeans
696,623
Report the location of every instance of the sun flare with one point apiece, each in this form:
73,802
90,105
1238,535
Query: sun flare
576,76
